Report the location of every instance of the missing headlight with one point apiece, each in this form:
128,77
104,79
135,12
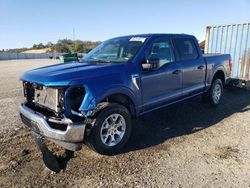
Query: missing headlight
61,99
73,99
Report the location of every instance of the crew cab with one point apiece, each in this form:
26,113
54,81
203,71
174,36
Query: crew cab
94,100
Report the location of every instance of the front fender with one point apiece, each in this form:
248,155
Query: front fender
119,90
89,101
93,96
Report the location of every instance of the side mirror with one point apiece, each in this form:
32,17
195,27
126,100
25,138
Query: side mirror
151,64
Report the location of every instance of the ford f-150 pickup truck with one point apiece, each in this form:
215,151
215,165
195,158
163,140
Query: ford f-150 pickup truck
94,100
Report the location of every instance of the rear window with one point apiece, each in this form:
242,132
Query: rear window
186,49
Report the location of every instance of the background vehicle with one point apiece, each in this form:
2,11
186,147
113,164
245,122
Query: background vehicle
94,100
69,57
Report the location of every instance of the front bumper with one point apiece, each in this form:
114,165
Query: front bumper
71,138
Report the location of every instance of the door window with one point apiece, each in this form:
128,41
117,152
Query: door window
161,49
186,49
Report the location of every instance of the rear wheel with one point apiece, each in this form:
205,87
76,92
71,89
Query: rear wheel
111,129
215,92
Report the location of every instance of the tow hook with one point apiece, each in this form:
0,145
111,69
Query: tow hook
51,161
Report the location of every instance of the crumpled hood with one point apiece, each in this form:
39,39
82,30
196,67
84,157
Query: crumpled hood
63,74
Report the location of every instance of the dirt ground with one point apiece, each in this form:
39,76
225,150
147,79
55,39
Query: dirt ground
187,145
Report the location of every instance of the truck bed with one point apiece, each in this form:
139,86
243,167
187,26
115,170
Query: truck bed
218,61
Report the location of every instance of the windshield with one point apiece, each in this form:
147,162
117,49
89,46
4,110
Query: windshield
119,50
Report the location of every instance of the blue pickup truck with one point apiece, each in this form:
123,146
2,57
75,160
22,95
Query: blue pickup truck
93,101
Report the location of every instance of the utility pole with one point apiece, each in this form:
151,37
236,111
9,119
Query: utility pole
74,40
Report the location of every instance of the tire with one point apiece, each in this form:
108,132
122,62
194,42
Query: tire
111,130
215,92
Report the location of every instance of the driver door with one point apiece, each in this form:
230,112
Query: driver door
163,85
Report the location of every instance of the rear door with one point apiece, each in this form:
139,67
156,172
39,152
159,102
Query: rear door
193,66
161,86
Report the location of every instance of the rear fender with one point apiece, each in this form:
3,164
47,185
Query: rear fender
212,74
219,68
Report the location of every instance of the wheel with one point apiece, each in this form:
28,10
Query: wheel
215,92
111,129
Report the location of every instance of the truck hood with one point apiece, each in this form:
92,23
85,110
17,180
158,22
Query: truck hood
64,74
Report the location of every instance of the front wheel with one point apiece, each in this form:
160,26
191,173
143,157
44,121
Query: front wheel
216,92
111,130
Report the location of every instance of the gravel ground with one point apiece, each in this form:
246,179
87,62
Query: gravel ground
187,145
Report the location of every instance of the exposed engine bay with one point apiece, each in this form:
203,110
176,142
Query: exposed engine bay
56,103
55,108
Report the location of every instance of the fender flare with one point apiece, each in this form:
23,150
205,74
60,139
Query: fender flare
119,90
219,68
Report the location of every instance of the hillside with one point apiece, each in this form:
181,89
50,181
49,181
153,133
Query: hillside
37,51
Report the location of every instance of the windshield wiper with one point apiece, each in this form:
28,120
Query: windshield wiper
98,61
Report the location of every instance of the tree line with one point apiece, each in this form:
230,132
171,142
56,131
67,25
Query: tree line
61,46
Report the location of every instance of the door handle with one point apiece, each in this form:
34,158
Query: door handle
176,72
201,67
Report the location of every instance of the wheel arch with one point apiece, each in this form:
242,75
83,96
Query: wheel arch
219,74
123,96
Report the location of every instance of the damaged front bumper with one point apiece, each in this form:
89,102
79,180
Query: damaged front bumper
71,138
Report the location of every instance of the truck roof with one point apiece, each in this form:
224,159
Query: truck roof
148,35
